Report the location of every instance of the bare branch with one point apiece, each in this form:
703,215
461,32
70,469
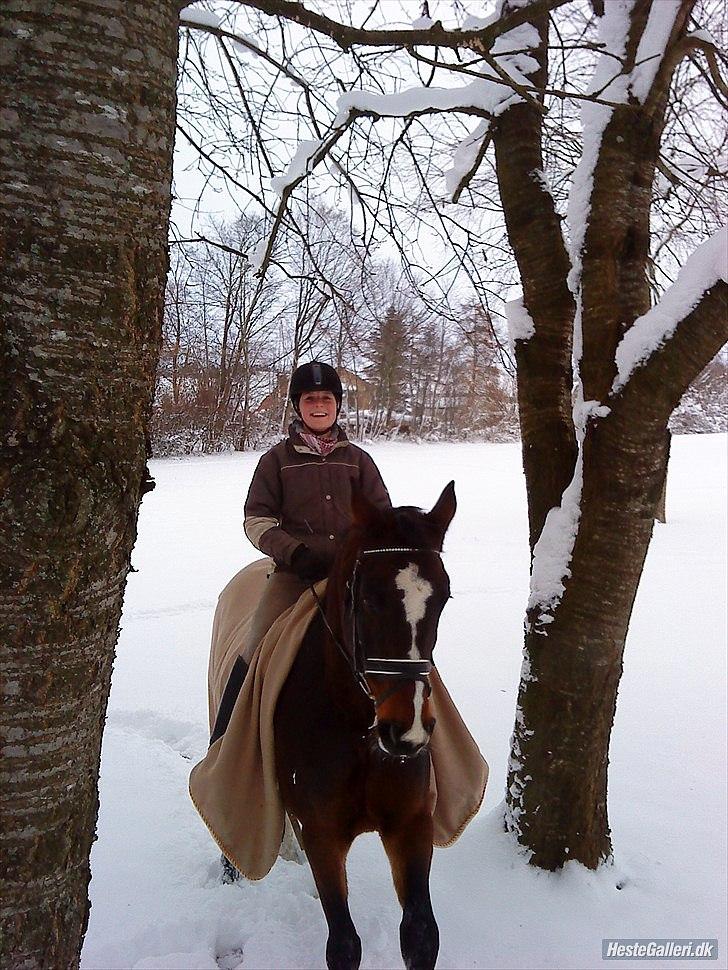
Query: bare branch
347,36
223,34
718,86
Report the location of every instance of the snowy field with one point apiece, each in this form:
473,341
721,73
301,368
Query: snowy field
156,894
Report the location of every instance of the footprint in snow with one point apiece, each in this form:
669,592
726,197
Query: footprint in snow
187,738
231,960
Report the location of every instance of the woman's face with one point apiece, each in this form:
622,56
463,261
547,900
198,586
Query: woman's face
318,409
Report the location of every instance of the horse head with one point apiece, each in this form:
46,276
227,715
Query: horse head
395,590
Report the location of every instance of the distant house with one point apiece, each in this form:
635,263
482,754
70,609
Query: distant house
274,399
358,393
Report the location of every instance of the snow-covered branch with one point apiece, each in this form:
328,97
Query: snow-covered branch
479,38
661,25
609,82
707,266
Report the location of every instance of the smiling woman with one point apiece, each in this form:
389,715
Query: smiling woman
318,410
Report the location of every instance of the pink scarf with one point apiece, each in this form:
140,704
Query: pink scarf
322,446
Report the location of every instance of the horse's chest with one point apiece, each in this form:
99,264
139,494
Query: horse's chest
391,783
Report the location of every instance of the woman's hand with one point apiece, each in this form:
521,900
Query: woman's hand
308,565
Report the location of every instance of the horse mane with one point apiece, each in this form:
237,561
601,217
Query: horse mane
404,526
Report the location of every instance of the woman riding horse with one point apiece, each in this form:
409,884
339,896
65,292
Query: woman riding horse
299,506
356,708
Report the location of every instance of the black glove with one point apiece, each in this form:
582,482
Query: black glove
308,565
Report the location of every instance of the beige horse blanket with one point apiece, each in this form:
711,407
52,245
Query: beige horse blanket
234,788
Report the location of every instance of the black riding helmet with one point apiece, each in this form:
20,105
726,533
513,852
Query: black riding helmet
315,376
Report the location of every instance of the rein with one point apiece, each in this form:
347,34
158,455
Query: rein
403,669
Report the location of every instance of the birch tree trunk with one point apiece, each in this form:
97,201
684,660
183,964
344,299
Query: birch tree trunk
87,128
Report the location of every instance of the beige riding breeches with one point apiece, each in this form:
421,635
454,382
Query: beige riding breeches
281,591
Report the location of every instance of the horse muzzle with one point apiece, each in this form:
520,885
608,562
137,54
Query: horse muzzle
399,741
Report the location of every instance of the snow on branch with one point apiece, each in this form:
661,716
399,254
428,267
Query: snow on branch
466,159
208,22
501,82
299,166
706,267
613,84
609,82
652,46
488,95
196,17
474,34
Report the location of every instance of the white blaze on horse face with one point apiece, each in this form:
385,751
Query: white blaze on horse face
417,591
417,734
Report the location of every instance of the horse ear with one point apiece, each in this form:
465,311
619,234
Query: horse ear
443,510
362,510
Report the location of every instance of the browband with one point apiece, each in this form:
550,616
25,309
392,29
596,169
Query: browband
371,552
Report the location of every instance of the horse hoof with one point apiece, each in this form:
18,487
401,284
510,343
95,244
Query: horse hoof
343,954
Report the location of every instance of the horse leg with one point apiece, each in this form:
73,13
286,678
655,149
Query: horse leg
409,849
326,852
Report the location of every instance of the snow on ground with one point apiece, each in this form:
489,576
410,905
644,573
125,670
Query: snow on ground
156,895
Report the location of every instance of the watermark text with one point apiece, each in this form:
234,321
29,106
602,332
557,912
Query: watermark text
659,949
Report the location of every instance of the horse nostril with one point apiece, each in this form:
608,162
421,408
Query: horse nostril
429,726
389,735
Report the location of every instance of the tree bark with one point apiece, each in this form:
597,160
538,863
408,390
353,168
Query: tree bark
614,283
87,129
661,508
544,373
558,776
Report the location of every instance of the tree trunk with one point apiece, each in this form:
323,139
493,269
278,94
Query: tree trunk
560,810
557,779
543,362
87,125
661,510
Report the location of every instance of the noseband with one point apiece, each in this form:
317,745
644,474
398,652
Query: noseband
403,670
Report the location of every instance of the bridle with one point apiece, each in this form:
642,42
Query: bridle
403,670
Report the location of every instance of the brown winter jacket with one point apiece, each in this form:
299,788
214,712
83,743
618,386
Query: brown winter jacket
297,495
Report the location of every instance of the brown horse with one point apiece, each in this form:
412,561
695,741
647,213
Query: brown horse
352,724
